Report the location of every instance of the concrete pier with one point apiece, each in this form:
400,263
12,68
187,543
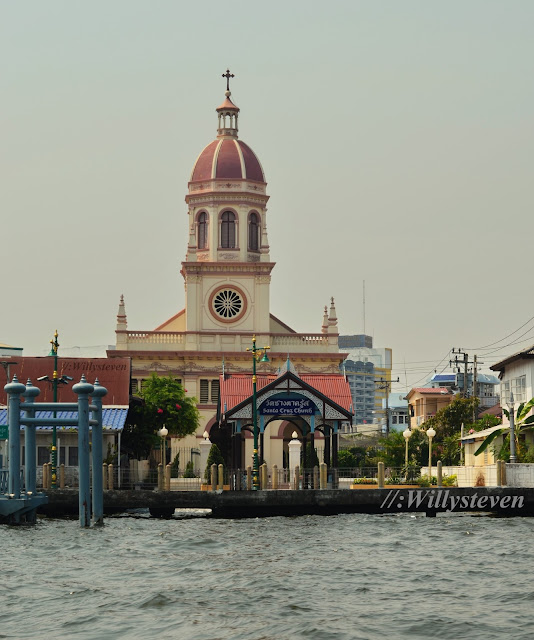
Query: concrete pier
506,501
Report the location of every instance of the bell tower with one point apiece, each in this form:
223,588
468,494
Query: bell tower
227,269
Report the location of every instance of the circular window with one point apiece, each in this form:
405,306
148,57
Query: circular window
227,304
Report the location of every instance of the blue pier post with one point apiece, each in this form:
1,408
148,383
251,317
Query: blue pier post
30,460
98,492
83,390
14,389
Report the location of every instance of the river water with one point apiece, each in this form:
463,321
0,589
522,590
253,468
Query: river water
357,576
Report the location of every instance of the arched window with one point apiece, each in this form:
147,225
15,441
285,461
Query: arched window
253,232
228,230
203,230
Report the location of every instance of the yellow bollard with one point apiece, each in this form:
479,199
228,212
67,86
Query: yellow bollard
263,477
168,477
323,475
381,475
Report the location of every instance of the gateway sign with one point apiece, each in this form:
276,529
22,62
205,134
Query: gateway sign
287,407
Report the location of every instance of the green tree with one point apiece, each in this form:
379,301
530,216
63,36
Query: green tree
522,423
214,457
162,402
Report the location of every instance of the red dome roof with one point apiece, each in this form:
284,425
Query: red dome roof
227,159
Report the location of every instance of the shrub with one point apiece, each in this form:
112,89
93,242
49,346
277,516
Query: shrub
365,481
214,457
449,481
175,465
189,470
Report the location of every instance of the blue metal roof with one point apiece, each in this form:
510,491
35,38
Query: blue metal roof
443,377
113,418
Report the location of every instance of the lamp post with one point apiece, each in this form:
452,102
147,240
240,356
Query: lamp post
407,434
430,433
257,355
162,433
513,457
54,382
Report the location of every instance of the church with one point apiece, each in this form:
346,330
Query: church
207,345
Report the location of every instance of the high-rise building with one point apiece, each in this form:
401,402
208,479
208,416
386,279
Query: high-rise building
368,371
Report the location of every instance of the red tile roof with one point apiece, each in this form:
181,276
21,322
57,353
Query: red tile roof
237,387
436,390
114,374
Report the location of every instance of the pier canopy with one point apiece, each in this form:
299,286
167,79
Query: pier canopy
312,405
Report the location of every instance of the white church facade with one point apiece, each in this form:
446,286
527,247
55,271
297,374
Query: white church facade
227,278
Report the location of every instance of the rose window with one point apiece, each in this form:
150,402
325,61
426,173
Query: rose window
227,304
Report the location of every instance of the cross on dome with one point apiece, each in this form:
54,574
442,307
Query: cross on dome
228,75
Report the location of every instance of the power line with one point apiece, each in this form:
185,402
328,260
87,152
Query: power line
502,339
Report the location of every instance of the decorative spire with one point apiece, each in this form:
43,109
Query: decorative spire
227,111
122,324
332,318
324,328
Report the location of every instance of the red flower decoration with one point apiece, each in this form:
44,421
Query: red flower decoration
160,410
178,406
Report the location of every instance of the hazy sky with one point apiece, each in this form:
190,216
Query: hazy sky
396,138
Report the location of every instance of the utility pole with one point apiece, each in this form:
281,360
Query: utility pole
466,363
384,384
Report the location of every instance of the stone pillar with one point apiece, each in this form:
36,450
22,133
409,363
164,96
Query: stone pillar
440,473
315,477
105,475
275,477
61,476
14,390
97,456
83,390
110,477
249,478
160,476
296,478
204,447
220,477
30,461
294,454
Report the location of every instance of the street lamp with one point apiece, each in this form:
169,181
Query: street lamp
407,434
513,457
430,433
162,433
258,355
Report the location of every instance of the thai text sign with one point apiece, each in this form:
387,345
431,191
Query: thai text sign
287,407
4,432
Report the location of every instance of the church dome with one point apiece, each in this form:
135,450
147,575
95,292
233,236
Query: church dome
227,159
